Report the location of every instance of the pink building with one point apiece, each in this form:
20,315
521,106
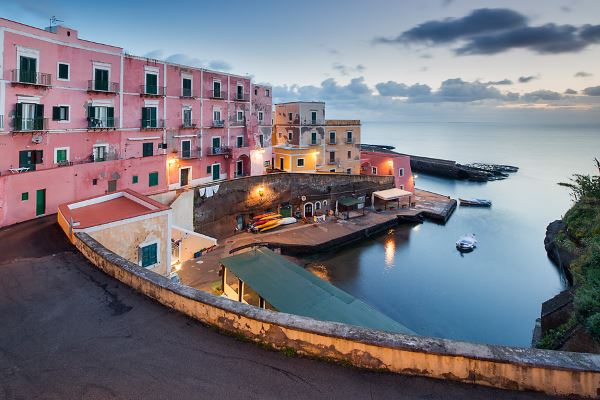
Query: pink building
81,119
383,160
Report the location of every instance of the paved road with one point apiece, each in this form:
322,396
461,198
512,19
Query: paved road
67,331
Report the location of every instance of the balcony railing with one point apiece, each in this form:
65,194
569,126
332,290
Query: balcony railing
31,78
188,155
102,123
236,122
349,140
241,145
217,94
242,97
218,151
241,174
189,124
187,93
103,86
311,122
30,124
148,124
151,90
218,123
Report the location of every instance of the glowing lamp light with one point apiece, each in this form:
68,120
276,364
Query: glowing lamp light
261,191
390,163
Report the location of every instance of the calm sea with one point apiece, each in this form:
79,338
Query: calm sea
414,273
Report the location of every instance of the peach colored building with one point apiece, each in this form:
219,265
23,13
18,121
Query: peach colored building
383,160
80,119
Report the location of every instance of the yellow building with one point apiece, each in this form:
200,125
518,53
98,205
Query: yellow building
295,158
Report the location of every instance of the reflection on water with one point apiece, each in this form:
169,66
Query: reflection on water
415,275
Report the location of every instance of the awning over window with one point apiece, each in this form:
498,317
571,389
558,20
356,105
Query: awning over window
349,201
391,194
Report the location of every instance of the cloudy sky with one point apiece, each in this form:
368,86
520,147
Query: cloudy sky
374,60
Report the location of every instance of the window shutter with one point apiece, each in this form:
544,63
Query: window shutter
19,110
91,113
39,111
110,115
145,117
37,157
66,113
55,113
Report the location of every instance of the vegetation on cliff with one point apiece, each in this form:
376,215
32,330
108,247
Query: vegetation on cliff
582,237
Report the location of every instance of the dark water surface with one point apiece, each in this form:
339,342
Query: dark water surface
414,273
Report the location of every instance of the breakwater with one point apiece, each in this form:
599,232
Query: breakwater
451,169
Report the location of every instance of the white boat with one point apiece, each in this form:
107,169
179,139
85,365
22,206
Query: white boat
288,220
466,243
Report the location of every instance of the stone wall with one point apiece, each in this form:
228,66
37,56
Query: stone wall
216,216
552,372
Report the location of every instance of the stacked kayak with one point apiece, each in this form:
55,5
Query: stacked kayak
268,221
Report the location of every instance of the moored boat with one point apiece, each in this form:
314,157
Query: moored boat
475,202
466,243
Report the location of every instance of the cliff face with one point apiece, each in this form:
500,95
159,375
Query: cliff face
560,256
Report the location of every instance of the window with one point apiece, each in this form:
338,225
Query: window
240,115
60,113
63,72
332,157
101,79
186,87
100,152
151,83
149,117
61,155
332,137
239,142
217,89
300,162
147,149
349,137
209,169
24,196
153,179
290,116
349,154
313,117
401,187
186,149
112,186
29,116
255,91
401,172
267,92
313,138
94,181
149,255
101,117
261,116
374,170
217,115
317,205
290,136
27,69
349,171
261,140
324,203
29,159
187,117
240,92
134,179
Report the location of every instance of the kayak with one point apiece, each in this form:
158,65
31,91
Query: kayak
270,217
269,225
257,217
264,221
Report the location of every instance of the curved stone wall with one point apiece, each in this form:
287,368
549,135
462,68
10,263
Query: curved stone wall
552,372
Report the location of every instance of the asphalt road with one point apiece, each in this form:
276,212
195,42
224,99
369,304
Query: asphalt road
67,331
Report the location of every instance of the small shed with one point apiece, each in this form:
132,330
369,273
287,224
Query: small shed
393,194
351,204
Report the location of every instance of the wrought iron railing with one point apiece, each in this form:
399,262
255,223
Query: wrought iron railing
103,86
217,94
218,151
187,93
152,123
242,97
31,77
189,124
102,123
30,124
152,90
218,123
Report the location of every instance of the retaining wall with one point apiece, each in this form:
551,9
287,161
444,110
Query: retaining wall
552,372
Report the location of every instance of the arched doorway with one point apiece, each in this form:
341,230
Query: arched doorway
308,210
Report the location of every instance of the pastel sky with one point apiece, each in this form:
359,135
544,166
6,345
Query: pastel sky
374,60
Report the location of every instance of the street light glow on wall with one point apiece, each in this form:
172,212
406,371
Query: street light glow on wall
261,191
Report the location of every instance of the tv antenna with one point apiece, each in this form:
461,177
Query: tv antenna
54,21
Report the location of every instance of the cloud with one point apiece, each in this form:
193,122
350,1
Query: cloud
346,70
592,91
184,59
570,91
542,95
526,79
457,90
496,30
583,74
500,82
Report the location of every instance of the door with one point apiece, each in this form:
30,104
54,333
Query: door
239,221
308,210
184,176
40,202
281,163
216,172
239,168
101,79
27,69
151,84
112,186
216,145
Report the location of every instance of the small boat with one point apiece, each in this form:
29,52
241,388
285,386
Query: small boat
264,221
269,225
475,202
288,220
257,217
466,243
270,217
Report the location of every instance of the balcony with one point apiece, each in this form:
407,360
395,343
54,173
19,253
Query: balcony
189,124
241,174
218,123
102,124
30,124
187,93
311,122
217,94
24,77
152,124
219,151
234,122
189,155
153,91
242,97
103,87
349,140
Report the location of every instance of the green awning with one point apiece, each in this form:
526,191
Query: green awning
349,201
292,289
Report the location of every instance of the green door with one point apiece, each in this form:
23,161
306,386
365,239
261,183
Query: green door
40,202
28,67
101,79
151,84
216,172
216,144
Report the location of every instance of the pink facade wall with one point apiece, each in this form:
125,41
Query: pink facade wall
389,164
126,141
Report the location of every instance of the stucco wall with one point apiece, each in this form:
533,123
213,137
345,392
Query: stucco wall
555,373
125,239
216,216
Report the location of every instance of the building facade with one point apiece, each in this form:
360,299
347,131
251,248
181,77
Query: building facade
301,133
81,119
383,160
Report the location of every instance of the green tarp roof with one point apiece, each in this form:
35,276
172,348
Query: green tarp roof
349,201
292,289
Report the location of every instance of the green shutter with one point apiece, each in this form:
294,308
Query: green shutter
110,115
153,179
55,113
145,118
24,196
61,155
134,179
147,149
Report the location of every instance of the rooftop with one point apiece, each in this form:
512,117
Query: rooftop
292,289
342,122
101,210
379,148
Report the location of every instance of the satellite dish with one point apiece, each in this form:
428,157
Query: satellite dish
303,198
